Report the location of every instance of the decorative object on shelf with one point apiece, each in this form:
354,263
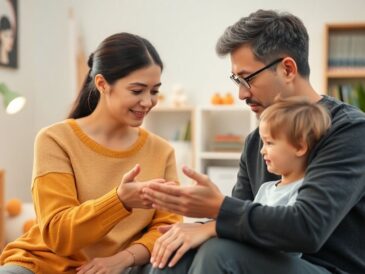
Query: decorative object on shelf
20,218
228,99
218,99
13,102
13,207
179,97
8,33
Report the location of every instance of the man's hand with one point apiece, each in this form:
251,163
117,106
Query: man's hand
201,200
179,238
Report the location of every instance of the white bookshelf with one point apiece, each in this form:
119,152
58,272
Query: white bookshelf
170,123
206,122
212,120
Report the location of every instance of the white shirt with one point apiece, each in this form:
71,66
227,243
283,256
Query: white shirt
272,195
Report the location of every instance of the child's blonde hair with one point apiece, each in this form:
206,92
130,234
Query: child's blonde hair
298,120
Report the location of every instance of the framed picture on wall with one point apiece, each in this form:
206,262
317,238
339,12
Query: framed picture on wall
9,33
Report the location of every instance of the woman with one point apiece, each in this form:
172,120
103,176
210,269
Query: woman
91,217
6,42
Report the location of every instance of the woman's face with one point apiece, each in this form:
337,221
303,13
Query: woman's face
130,98
6,40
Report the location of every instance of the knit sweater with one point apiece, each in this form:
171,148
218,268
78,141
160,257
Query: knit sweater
79,214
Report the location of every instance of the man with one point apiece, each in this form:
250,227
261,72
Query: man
269,56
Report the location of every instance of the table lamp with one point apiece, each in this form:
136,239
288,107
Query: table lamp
13,102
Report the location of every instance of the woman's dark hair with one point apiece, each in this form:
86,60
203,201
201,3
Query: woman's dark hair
4,24
116,57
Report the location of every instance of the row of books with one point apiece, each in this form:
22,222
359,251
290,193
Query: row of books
227,142
183,133
346,49
350,94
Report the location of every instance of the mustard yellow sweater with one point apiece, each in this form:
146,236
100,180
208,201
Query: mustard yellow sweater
79,215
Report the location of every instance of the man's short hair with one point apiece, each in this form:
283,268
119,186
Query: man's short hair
271,35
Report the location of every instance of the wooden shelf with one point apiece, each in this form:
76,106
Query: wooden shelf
220,155
346,26
225,108
350,72
172,109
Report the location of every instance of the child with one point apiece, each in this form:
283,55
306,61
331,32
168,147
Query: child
289,129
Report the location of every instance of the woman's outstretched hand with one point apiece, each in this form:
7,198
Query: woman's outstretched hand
130,192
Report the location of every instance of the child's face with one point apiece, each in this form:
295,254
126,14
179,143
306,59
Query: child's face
280,156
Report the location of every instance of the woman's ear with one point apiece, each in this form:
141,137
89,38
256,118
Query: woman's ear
101,84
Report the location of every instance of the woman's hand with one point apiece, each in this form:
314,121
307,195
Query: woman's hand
130,193
115,264
179,238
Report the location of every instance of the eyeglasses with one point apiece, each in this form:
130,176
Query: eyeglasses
245,81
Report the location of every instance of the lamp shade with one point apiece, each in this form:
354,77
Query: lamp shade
13,102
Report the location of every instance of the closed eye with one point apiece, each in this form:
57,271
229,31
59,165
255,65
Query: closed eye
136,92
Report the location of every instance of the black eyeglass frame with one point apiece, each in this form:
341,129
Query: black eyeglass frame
245,81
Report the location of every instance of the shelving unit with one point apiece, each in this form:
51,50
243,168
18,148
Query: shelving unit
206,123
345,62
221,165
176,125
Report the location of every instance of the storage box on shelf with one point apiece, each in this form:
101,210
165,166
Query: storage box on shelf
345,62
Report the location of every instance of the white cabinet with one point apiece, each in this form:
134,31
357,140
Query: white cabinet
176,125
214,122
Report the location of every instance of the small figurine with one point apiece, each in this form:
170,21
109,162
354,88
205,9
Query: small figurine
179,97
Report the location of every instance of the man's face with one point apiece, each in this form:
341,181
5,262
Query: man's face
265,86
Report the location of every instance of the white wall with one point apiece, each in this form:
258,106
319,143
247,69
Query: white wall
183,31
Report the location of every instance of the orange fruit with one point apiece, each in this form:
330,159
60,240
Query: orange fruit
28,225
228,99
14,207
216,99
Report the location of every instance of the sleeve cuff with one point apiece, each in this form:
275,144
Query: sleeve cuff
230,220
110,205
